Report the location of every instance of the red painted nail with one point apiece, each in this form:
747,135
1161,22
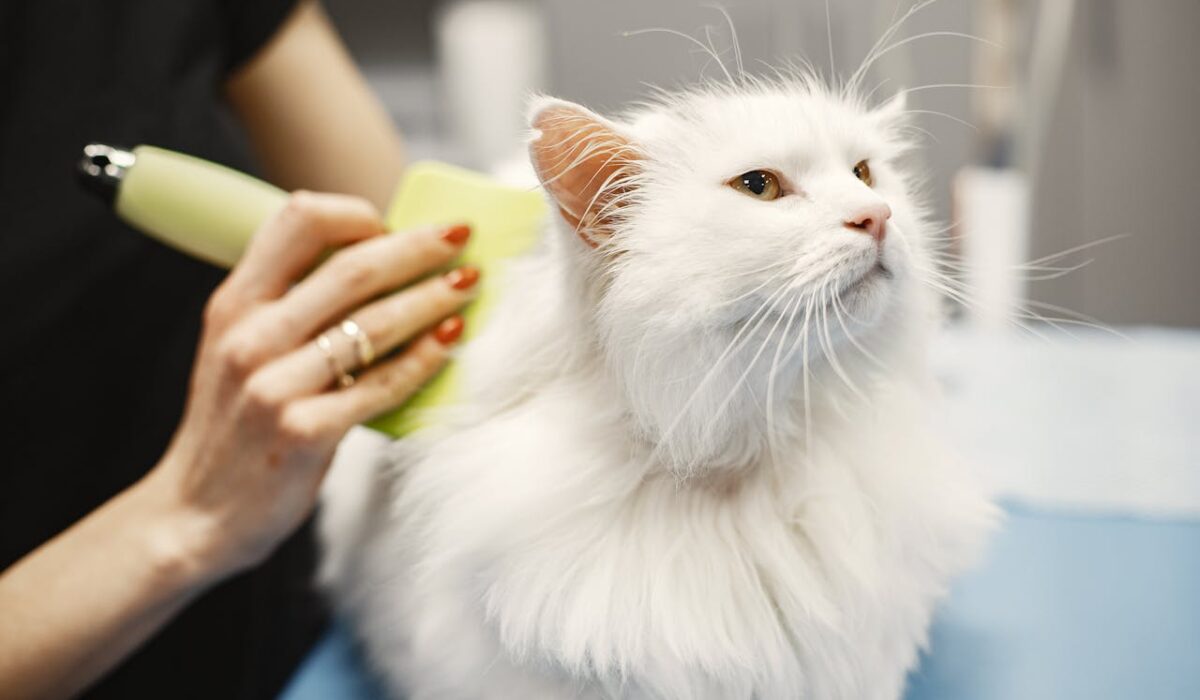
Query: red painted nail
449,330
463,277
457,235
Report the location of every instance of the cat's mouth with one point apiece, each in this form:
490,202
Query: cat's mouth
878,271
863,297
853,296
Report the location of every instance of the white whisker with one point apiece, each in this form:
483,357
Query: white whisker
791,316
892,47
724,404
829,41
674,32
951,117
747,328
970,86
837,313
882,41
831,351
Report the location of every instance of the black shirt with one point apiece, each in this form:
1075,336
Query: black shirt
99,324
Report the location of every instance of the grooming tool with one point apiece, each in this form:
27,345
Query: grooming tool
210,212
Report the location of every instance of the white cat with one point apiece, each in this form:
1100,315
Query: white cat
693,458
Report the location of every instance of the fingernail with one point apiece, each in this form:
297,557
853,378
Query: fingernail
449,330
457,235
463,277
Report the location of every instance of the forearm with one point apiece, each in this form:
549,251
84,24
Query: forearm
73,608
312,118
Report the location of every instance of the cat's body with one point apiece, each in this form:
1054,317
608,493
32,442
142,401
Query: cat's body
658,485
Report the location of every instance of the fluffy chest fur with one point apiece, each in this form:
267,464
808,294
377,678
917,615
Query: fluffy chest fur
533,555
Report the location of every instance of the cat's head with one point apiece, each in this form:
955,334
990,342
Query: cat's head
724,238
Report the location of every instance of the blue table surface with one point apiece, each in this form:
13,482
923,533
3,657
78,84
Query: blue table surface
1062,607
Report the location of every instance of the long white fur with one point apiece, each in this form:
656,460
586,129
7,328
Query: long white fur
687,464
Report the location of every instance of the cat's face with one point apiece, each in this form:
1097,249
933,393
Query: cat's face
734,236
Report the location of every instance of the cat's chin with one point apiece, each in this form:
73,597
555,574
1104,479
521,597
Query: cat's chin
863,301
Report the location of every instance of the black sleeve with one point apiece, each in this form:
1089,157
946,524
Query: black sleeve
249,25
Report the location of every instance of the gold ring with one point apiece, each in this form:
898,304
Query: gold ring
362,343
340,375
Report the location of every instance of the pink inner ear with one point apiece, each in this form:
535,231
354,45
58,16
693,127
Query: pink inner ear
583,163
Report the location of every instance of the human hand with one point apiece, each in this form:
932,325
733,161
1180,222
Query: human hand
266,408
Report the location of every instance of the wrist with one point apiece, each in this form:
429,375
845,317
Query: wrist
177,542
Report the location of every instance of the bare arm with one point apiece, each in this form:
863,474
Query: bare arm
244,467
86,599
312,119
263,418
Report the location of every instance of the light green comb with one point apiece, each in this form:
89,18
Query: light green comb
504,222
211,212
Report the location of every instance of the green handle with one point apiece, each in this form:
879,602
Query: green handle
201,208
211,212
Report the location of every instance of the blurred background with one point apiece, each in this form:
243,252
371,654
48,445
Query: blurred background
1084,127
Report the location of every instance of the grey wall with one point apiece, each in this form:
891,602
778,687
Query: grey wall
596,64
593,63
1122,157
1119,155
393,32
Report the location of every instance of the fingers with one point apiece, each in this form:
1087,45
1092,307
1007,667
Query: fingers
358,274
387,323
383,387
397,318
292,242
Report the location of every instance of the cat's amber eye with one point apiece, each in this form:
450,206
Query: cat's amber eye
760,184
862,171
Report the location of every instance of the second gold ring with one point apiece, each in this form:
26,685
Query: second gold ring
362,342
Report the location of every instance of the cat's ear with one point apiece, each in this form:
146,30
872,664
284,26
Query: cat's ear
894,112
585,162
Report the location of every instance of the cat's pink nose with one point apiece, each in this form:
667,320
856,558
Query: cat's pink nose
871,220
